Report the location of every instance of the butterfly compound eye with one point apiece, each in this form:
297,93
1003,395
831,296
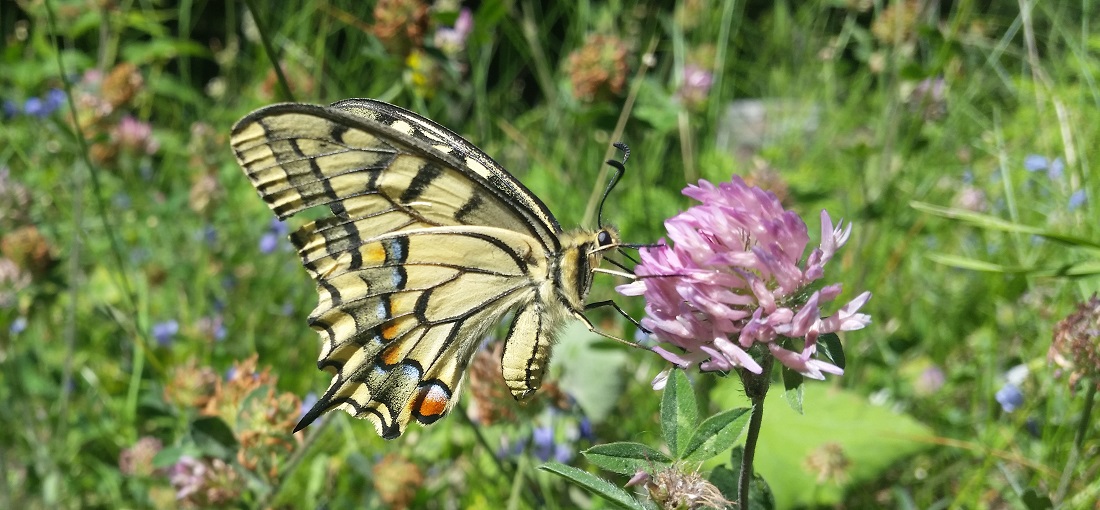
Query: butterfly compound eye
604,238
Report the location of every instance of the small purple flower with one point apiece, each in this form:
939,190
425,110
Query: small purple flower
930,381
35,107
187,476
1010,397
18,325
165,332
135,135
453,40
735,277
696,85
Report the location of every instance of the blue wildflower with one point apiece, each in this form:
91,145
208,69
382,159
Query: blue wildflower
268,242
54,99
1036,163
210,235
1010,397
35,107
1077,199
585,429
509,449
231,373
121,200
287,309
563,453
279,227
165,332
1034,427
11,109
18,325
543,440
276,231
213,327
307,403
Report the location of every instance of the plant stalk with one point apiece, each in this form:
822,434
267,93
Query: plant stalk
756,387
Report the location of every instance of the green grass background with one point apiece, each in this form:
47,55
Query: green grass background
964,295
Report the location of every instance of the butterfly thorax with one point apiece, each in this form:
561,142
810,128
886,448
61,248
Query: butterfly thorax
581,252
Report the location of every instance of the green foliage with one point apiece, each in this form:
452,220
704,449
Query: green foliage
690,442
936,132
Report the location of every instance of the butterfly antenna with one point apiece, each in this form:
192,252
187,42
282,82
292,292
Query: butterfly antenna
620,169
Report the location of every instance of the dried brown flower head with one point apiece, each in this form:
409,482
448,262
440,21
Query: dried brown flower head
15,200
29,249
599,68
400,25
12,281
673,488
190,386
137,460
397,480
122,84
897,23
828,462
1076,344
491,402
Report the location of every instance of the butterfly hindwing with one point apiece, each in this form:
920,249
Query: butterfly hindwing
425,245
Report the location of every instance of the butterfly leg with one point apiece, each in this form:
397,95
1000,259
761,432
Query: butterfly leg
592,327
615,305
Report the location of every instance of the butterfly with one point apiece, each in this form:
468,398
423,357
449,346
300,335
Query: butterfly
424,245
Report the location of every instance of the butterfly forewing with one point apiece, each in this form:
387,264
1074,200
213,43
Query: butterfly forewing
426,244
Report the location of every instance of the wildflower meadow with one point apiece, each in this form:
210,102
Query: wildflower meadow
846,255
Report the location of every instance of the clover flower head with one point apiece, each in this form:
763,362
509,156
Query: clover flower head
735,277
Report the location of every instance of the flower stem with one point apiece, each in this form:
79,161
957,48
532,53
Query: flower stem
1078,442
756,387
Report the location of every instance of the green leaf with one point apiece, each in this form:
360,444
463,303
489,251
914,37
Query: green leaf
213,437
594,484
679,412
793,387
726,480
994,223
716,434
830,346
760,493
626,458
1075,269
871,437
595,377
169,456
1034,500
